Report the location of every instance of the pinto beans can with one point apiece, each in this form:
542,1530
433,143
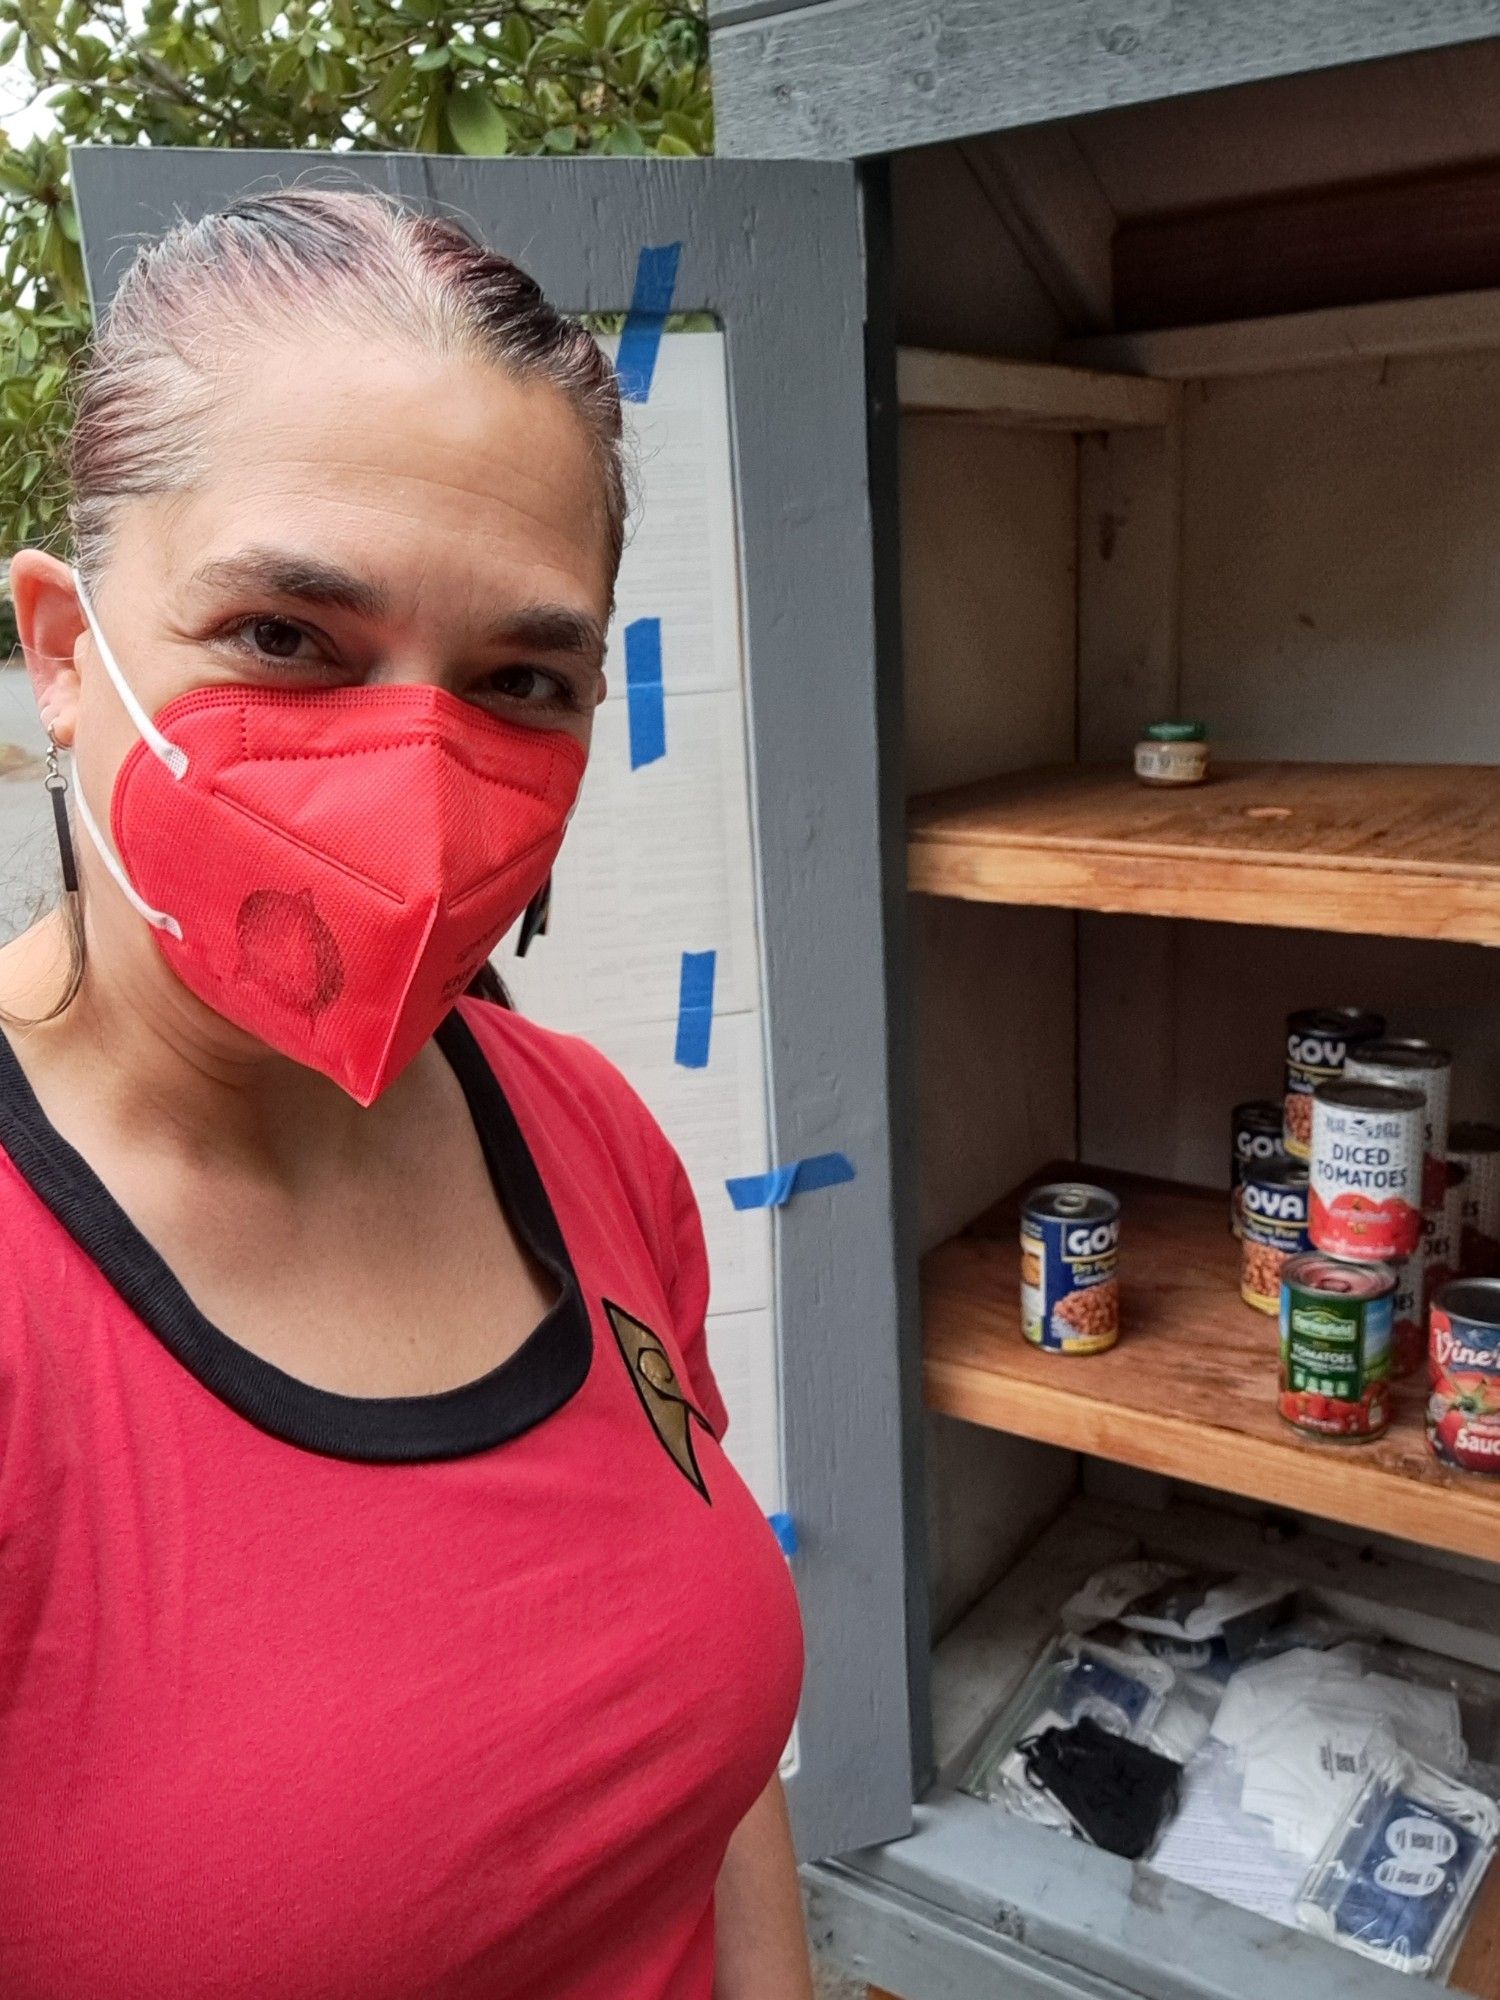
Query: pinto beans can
1409,1314
1255,1137
1070,1293
1365,1198
1463,1411
1474,1170
1336,1347
1274,1227
1318,1039
1408,1063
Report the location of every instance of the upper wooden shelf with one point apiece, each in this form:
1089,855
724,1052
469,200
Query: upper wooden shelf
1030,395
1190,1390
1394,850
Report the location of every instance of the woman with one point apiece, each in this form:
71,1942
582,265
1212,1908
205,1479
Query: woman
379,1616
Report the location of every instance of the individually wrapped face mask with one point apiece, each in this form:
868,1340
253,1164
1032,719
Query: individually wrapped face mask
1399,1873
1301,1774
1124,1694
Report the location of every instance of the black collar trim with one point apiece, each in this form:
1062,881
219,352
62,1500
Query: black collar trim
530,1385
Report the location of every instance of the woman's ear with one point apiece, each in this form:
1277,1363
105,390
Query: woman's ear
51,622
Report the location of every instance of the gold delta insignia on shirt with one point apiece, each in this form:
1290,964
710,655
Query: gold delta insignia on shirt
662,1396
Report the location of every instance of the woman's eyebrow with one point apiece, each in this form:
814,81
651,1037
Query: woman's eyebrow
552,628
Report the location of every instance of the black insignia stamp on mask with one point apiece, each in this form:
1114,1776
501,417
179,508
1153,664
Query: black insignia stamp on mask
287,950
662,1395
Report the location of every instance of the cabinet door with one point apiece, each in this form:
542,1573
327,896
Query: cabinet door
772,678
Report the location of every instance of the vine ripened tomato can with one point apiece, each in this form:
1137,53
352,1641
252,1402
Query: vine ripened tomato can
1273,1216
1255,1136
1070,1293
1408,1063
1474,1166
1463,1410
1317,1041
1365,1197
1409,1314
1336,1347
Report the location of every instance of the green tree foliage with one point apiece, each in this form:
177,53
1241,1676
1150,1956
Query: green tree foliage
424,76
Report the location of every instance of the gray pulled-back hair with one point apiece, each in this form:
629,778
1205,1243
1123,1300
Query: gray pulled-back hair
329,260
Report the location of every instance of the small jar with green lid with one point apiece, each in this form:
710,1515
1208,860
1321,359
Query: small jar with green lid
1172,753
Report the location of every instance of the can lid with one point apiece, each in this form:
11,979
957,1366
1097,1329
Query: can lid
1347,1022
1176,732
1471,1298
1261,1111
1315,1271
1400,1052
1369,1096
1281,1170
1072,1201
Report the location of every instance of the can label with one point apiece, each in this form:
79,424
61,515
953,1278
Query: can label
1070,1294
1366,1172
1382,1062
1474,1169
1335,1356
1274,1214
1463,1411
1317,1042
1255,1137
1409,1315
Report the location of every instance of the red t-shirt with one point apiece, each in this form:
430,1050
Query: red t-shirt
314,1697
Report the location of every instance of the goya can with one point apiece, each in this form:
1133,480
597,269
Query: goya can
1474,1166
1070,1293
1255,1136
1317,1041
1365,1196
1336,1347
1408,1063
1409,1314
1274,1218
1463,1411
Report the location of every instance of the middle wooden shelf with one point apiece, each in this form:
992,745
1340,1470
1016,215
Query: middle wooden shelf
1394,850
1190,1389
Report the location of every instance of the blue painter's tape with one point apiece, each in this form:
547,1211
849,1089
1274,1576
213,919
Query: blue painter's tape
784,1528
650,302
775,1189
645,700
695,1008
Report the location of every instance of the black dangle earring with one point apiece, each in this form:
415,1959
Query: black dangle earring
57,785
534,921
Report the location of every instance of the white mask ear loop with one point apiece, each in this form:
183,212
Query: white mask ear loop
174,758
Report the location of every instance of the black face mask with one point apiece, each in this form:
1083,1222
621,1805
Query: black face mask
1117,1793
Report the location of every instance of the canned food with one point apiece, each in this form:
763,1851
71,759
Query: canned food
1463,1411
1274,1213
1474,1164
1317,1041
1070,1294
1409,1314
1366,1188
1336,1347
1255,1135
1406,1062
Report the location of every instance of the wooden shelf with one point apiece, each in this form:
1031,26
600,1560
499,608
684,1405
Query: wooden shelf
1190,1390
1393,850
1030,395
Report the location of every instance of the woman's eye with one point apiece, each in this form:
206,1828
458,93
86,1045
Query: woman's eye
533,685
272,638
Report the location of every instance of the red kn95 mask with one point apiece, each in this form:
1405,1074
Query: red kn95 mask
328,868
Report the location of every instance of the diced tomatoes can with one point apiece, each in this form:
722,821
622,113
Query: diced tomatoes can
1407,1062
1365,1196
1463,1410
1336,1347
1255,1136
1409,1314
1474,1168
1274,1219
1318,1039
1070,1293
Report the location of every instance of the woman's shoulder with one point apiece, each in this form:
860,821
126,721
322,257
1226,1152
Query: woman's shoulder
560,1072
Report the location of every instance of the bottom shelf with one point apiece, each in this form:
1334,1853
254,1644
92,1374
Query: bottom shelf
1190,1390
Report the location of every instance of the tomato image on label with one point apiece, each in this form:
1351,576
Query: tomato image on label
1463,1411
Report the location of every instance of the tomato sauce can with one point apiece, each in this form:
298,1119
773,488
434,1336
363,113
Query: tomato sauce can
1474,1171
1318,1039
1408,1063
1366,1187
1336,1347
1070,1293
1409,1314
1274,1218
1463,1410
1255,1136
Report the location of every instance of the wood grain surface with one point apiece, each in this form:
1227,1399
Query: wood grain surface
1190,1389
1399,850
1030,394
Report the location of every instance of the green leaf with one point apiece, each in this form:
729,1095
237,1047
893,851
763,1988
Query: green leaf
516,39
560,139
433,130
431,59
477,123
670,147
623,138
394,86
594,26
